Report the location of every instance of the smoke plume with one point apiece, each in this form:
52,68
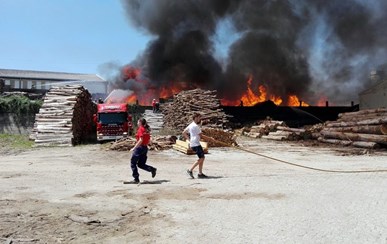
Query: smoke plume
308,48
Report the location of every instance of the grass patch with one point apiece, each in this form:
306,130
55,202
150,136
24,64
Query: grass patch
15,141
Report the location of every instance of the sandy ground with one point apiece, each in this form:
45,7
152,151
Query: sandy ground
77,195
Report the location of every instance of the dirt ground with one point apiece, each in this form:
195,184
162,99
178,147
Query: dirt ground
77,195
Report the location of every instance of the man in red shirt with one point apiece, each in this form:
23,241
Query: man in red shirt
140,151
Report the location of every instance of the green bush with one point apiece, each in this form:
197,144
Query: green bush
19,104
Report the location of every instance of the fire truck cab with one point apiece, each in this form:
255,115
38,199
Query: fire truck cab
113,121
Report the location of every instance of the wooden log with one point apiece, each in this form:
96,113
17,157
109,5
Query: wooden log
366,129
362,117
384,129
363,112
355,136
60,120
335,141
376,121
360,144
290,129
274,137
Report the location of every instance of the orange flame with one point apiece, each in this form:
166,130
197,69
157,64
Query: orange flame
249,98
131,99
295,102
322,101
145,98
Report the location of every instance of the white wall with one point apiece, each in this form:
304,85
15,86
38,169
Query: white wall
374,99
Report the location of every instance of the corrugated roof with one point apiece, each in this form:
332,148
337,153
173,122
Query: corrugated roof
47,75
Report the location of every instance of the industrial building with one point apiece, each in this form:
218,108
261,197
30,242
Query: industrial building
375,96
42,81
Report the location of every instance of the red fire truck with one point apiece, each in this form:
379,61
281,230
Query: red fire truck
113,121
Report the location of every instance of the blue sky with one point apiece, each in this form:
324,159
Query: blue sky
76,36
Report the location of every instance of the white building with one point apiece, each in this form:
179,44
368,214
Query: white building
374,97
42,81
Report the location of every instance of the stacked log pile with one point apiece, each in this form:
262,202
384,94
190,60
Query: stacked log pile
178,113
157,143
293,134
278,130
65,118
365,128
263,128
221,138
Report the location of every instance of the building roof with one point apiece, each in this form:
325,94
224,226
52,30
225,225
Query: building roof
47,75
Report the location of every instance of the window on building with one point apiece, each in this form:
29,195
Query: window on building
38,85
24,84
17,84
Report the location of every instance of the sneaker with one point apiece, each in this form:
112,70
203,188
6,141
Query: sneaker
135,181
154,172
189,172
202,176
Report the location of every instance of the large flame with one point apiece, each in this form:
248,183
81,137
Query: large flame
250,98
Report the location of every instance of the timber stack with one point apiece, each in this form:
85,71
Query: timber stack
65,118
178,113
263,128
284,132
221,138
365,128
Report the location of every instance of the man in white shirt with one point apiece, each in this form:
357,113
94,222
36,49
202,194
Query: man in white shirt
194,133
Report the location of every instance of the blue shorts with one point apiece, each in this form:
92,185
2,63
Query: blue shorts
199,151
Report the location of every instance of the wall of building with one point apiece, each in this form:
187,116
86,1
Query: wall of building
374,98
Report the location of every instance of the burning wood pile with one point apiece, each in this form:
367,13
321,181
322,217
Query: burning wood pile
365,128
65,118
157,143
178,114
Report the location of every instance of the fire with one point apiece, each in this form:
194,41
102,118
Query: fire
276,100
131,99
322,101
169,92
295,102
250,98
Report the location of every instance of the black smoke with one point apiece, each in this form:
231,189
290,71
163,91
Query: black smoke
308,48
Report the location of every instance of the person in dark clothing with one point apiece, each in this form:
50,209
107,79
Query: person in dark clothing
154,105
140,151
157,107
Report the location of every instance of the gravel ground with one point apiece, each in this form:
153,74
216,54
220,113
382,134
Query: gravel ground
77,195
